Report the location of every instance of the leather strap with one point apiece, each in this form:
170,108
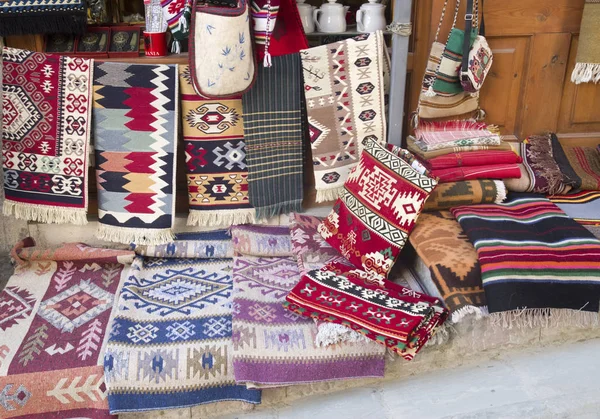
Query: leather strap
467,40
482,26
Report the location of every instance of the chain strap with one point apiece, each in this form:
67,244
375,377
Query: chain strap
439,28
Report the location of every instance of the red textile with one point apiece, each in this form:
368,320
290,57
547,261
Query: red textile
494,171
473,158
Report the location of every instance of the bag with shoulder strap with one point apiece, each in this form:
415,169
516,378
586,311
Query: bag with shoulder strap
477,62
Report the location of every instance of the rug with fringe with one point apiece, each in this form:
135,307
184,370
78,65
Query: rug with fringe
215,157
54,317
274,131
136,131
171,343
21,17
587,62
535,260
344,91
45,136
466,192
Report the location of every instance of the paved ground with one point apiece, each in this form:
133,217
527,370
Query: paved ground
6,270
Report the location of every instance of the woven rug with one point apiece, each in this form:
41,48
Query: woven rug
54,314
135,128
426,155
587,66
261,240
494,171
537,264
344,91
274,136
170,344
583,207
472,158
468,192
215,156
585,165
46,111
20,17
452,260
273,346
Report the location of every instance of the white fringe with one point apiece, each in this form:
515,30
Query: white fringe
545,317
44,213
221,218
440,337
461,313
326,195
139,236
500,191
585,73
333,333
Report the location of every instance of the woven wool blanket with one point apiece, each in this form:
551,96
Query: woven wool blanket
273,346
493,171
274,134
583,166
21,17
587,62
171,341
426,155
135,128
452,261
472,158
583,207
466,192
344,90
438,132
46,110
261,240
215,156
54,317
537,264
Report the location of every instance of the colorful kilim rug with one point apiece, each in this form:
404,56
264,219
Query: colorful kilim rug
467,192
46,110
258,240
394,316
452,261
426,155
344,91
170,344
135,128
273,346
585,165
534,259
583,207
54,314
493,171
215,155
20,17
274,136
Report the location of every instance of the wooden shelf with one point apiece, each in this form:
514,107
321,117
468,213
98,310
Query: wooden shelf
142,59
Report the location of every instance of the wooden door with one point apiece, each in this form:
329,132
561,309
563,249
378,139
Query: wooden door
528,90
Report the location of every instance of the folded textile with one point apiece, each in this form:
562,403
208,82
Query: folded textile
521,184
258,240
274,135
21,17
53,330
493,171
344,91
215,156
583,207
394,316
413,148
584,163
452,260
136,132
438,132
465,192
45,134
537,264
476,140
171,341
472,158
587,62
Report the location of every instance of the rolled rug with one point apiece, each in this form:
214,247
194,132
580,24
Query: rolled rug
466,192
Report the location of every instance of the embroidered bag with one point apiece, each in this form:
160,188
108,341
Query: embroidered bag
477,63
222,61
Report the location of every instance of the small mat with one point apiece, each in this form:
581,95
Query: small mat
467,192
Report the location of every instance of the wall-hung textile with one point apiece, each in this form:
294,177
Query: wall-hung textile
583,207
585,166
135,131
452,261
394,316
412,147
534,258
467,192
382,199
171,344
344,91
493,171
472,158
260,240
178,14
215,156
46,110
587,66
20,17
55,311
274,135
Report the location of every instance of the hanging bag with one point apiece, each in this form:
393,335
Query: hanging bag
222,60
478,58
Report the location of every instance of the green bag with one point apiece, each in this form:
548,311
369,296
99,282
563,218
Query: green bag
447,82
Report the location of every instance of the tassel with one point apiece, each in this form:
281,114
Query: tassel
267,60
176,47
429,92
480,114
184,24
414,120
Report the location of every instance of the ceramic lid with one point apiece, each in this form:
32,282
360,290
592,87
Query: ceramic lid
372,4
301,5
331,4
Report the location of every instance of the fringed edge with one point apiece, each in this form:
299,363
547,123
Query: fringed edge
332,333
271,211
45,214
327,195
220,218
546,318
500,191
139,236
440,337
68,23
585,73
460,314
